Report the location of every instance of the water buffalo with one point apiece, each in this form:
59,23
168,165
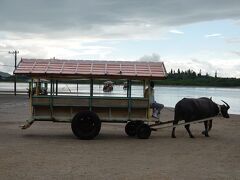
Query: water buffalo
190,109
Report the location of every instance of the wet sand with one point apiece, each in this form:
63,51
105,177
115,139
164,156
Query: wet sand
50,151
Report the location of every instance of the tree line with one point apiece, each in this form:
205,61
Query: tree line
191,78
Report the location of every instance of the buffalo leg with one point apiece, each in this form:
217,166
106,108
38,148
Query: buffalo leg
206,129
188,130
209,127
173,130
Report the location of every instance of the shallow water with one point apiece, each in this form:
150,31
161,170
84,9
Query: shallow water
167,95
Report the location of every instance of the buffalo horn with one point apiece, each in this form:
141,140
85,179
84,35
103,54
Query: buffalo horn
226,104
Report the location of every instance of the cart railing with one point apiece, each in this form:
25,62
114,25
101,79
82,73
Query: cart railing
58,108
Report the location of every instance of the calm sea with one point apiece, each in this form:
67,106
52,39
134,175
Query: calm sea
167,95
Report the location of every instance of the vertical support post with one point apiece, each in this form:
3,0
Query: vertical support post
15,65
56,87
29,88
46,87
77,88
91,94
53,88
15,78
149,114
144,87
30,91
51,98
129,89
38,87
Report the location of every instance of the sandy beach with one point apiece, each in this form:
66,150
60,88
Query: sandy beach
49,150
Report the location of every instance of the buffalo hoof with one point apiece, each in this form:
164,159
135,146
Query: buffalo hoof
205,134
192,136
173,136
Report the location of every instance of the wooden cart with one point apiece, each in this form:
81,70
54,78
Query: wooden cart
87,112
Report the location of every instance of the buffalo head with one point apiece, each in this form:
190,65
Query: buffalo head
224,109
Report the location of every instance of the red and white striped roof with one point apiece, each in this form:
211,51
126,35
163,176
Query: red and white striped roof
90,68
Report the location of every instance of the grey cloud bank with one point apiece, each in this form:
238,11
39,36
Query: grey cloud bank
94,17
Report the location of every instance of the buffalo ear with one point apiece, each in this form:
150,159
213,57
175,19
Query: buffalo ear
210,98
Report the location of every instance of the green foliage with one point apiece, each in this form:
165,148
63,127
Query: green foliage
11,79
4,75
191,78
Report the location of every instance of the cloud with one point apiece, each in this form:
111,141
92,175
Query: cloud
49,48
221,67
233,40
213,35
176,32
150,58
225,63
236,53
205,66
108,18
2,45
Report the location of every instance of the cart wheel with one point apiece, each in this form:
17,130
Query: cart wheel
143,131
86,125
131,127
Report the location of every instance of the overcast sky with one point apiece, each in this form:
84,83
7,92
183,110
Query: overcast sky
185,34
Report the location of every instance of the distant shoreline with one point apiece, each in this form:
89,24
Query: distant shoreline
202,82
192,86
232,83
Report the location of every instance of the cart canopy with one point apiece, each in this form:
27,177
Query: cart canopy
77,69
